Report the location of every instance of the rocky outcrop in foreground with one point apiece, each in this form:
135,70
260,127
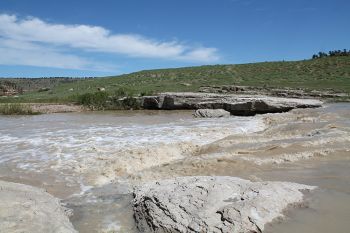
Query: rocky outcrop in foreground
212,204
243,105
27,209
211,113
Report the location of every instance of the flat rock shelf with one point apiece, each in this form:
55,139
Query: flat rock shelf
241,105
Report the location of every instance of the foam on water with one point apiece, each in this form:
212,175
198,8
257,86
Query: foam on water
38,143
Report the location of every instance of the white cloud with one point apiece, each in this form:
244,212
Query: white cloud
202,54
42,43
29,54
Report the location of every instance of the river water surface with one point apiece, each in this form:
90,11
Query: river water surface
91,160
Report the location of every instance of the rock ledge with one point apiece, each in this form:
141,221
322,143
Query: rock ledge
212,204
241,105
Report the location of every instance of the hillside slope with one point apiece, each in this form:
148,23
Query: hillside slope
317,74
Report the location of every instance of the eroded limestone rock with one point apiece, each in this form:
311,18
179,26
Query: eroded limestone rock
212,204
211,113
243,105
28,209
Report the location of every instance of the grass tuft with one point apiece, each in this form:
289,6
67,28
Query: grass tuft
16,109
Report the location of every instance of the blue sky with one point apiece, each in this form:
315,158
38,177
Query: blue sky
107,37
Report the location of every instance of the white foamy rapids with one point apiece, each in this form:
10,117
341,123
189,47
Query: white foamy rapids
48,147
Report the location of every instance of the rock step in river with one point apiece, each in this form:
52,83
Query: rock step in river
240,105
183,204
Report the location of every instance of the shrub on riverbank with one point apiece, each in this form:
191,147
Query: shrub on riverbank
94,101
121,99
16,109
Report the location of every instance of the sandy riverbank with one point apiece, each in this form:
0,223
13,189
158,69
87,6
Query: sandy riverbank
45,108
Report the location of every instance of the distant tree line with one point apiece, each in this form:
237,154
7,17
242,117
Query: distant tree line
334,53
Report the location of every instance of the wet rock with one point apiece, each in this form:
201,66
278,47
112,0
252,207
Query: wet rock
244,105
211,113
27,209
151,102
212,204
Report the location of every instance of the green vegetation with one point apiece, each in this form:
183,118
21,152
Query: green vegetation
331,72
101,100
94,101
16,109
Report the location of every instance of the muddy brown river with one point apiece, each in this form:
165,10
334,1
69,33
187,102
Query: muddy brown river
91,160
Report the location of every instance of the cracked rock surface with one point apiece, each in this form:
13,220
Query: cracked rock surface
212,204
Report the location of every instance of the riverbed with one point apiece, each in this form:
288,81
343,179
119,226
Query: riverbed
92,159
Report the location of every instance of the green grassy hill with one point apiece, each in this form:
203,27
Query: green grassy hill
319,74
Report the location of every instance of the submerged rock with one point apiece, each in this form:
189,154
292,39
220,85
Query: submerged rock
212,204
211,113
244,105
27,209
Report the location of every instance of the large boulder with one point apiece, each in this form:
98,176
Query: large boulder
212,204
244,105
27,209
211,113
